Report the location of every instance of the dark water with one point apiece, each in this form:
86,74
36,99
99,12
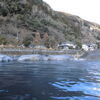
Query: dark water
61,80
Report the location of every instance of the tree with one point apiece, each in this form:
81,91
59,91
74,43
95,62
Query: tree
27,42
46,40
3,40
37,38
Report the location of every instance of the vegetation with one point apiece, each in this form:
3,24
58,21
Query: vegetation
27,41
36,24
79,44
30,16
3,11
37,1
11,7
3,40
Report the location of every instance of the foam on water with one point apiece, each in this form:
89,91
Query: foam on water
5,58
43,57
37,57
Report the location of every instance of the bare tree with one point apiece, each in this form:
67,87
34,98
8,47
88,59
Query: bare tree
37,38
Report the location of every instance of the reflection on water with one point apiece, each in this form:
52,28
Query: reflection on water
50,80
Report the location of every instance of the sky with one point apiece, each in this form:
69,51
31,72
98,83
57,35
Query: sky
86,9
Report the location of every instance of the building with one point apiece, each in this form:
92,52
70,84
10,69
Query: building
89,47
85,47
40,47
66,46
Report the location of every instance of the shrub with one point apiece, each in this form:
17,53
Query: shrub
79,45
27,42
37,1
34,23
3,11
3,40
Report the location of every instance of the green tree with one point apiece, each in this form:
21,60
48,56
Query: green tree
79,45
3,40
27,42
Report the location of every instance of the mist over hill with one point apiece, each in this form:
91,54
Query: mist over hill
34,22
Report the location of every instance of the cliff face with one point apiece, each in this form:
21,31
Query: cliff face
21,20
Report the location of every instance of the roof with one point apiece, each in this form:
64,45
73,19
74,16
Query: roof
66,44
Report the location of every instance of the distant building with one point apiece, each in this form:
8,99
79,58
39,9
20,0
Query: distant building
85,47
89,47
40,47
66,45
93,28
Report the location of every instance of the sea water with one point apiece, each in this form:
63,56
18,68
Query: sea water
50,80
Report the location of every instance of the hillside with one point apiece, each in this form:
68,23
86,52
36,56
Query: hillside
34,22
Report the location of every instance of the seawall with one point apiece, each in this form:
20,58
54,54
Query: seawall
26,51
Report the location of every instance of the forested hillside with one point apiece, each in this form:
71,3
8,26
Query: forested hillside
34,22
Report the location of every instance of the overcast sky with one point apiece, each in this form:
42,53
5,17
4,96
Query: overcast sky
86,9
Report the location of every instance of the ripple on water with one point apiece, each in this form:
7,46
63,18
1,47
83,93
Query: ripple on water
50,80
85,88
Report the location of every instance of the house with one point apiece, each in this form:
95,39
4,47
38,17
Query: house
85,47
40,47
66,45
89,47
93,47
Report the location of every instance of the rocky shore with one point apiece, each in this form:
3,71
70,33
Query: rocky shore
93,55
50,55
9,54
26,51
35,57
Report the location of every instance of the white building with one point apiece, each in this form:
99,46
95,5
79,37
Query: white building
40,47
89,47
66,45
92,28
85,47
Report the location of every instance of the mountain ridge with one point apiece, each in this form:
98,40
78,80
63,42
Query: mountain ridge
34,22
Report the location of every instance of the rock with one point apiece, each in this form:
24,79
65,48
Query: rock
4,58
44,57
93,55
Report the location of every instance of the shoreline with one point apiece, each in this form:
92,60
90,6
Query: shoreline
29,51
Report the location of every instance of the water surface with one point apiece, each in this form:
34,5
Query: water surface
50,80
